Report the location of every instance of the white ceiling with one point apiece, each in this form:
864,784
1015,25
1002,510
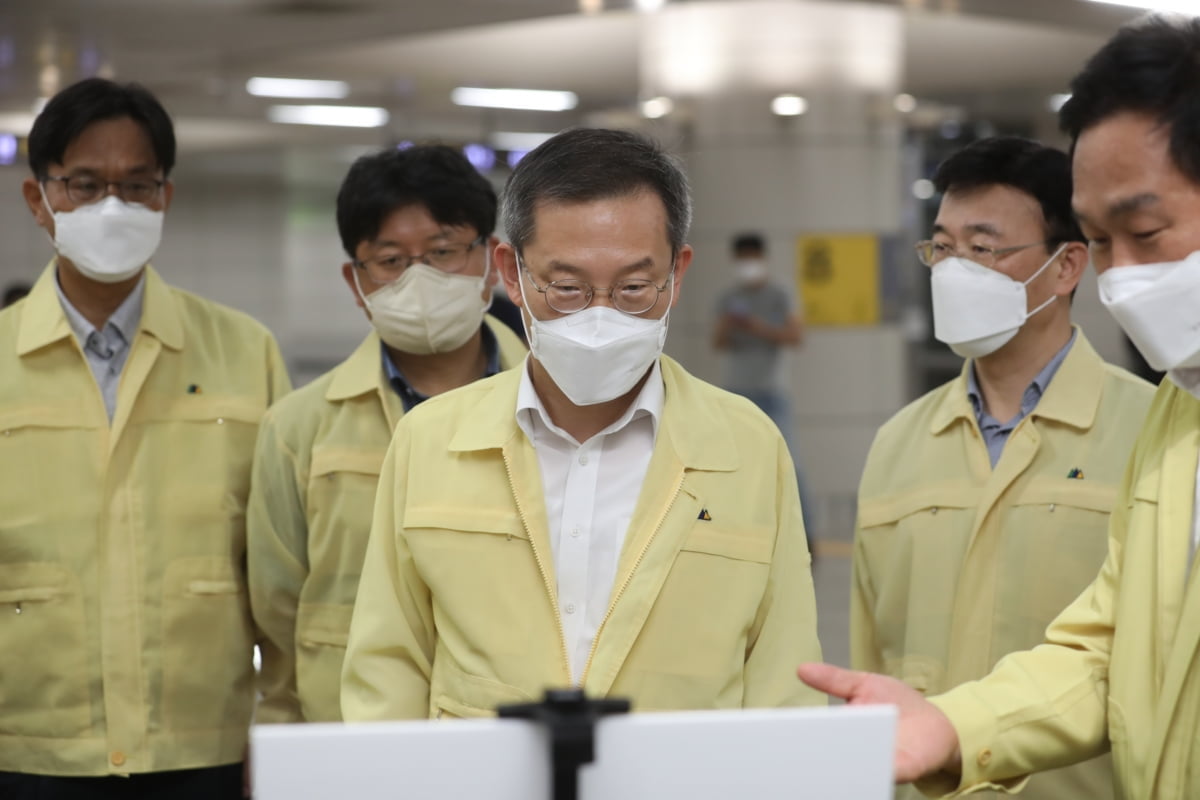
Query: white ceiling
407,54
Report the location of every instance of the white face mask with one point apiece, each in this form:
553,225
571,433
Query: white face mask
597,354
977,310
427,310
109,241
751,270
1158,306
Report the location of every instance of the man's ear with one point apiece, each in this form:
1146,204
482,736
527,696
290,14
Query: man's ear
505,259
1072,263
348,276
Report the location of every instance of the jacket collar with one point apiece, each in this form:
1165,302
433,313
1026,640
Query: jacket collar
1072,398
44,322
691,419
361,373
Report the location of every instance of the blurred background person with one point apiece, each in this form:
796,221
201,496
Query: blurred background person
14,292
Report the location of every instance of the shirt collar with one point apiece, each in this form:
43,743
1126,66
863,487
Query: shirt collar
410,396
1033,393
648,402
124,320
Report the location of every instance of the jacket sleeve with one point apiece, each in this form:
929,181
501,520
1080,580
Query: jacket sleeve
277,566
864,647
389,656
278,382
784,632
1047,707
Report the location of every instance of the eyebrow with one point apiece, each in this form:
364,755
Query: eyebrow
563,266
975,227
138,170
1125,206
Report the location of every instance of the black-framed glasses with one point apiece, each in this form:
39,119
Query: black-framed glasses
630,296
930,252
447,257
84,190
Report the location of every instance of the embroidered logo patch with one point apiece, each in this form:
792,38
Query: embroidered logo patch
194,388
1076,473
704,515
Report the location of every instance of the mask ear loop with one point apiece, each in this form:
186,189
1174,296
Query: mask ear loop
529,328
1042,269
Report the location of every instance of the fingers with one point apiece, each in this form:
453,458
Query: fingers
832,680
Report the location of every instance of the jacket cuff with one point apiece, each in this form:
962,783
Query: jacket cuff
978,732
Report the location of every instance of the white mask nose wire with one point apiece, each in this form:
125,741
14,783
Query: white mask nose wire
1042,269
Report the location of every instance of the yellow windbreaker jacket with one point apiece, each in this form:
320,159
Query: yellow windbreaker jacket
457,610
957,564
311,500
1120,665
125,630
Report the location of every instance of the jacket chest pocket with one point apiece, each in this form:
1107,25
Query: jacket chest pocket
1055,540
912,545
206,642
709,601
41,611
340,499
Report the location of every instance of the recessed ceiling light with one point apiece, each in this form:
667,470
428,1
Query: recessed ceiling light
789,105
905,103
657,107
336,116
1178,6
521,99
298,88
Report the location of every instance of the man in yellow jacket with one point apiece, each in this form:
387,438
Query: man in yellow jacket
128,413
599,517
417,225
1117,670
983,509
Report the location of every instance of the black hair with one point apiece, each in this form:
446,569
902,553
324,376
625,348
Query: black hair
93,100
14,292
1152,66
749,241
1041,172
585,164
436,177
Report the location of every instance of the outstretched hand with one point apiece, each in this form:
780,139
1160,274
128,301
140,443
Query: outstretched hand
926,742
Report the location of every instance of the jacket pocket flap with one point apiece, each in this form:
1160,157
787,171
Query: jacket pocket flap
472,520
751,543
202,586
892,508
33,582
323,624
1069,492
466,695
1146,489
205,408
329,461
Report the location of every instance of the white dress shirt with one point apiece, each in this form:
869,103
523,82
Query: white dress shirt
591,490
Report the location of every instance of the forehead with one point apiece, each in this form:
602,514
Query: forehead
1004,208
120,143
413,225
1121,157
631,222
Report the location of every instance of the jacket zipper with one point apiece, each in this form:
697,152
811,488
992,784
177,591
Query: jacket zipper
628,578
562,634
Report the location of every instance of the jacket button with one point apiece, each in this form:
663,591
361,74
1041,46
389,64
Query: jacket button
933,510
117,758
1052,507
220,420
985,757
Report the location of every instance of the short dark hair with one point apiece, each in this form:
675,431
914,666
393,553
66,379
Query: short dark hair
749,241
1041,172
14,292
436,177
1151,65
585,164
93,100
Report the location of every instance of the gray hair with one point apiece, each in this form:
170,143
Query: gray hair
585,164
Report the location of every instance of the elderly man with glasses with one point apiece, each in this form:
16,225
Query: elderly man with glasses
598,518
984,505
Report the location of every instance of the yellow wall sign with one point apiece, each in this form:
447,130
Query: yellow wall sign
838,277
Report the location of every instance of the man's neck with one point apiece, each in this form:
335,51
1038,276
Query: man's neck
1004,376
582,422
436,373
95,301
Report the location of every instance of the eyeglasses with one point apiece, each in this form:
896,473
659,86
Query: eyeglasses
631,296
84,190
447,258
930,252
